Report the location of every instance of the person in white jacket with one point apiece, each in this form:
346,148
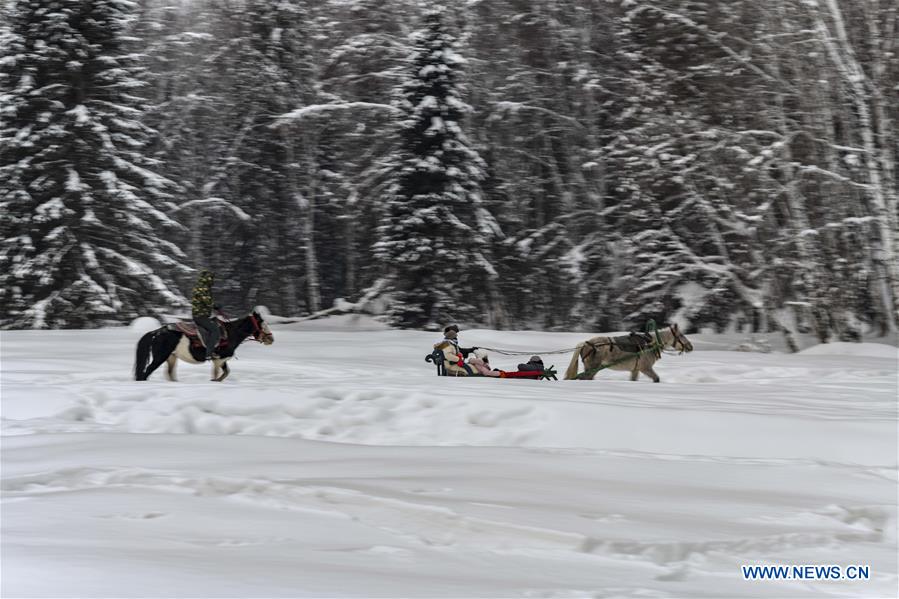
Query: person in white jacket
454,355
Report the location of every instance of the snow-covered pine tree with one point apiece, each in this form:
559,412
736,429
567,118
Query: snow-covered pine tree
435,232
81,239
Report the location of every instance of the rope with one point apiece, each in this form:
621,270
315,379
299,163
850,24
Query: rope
509,352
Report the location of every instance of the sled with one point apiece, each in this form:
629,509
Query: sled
549,374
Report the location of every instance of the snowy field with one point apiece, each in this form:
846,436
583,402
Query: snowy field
334,463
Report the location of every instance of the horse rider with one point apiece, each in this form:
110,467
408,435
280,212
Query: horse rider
203,308
453,355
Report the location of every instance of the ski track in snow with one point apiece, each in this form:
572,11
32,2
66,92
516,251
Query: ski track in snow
337,464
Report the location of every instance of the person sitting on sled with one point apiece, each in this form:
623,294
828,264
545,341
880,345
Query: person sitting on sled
454,356
481,363
202,308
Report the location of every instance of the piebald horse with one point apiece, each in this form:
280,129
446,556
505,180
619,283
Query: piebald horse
171,343
619,353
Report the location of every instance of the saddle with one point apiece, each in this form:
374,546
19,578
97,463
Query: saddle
189,328
633,342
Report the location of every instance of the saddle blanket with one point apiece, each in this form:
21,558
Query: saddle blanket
189,328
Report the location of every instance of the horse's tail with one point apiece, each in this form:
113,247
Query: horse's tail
571,373
142,359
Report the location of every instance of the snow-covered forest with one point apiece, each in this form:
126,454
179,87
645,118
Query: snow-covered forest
507,163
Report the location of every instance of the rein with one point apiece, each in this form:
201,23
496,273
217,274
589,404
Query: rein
675,339
509,352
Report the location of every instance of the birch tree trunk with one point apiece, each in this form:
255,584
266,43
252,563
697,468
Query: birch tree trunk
349,239
307,207
801,226
290,287
882,206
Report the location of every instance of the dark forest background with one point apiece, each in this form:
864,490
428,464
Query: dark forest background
507,163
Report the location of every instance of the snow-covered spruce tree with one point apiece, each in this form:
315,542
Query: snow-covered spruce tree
83,213
435,234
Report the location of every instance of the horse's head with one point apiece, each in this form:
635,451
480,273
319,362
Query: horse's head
679,341
261,332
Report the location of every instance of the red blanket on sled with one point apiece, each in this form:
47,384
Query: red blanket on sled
528,374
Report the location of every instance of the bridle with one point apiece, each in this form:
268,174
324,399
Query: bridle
259,334
676,338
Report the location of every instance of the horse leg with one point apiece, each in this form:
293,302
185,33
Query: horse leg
648,371
158,359
215,370
593,361
171,363
225,370
163,346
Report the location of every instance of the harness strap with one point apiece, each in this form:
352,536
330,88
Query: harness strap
594,346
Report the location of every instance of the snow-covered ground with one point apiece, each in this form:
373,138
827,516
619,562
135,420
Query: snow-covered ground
334,463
